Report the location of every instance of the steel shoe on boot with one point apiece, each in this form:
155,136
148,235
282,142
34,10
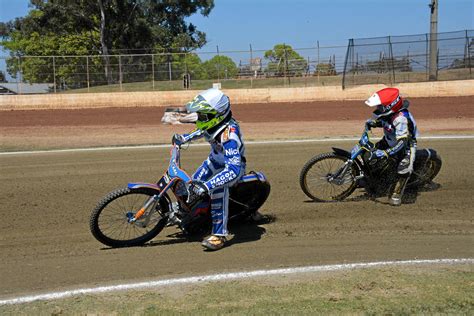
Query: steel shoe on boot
395,200
256,216
214,242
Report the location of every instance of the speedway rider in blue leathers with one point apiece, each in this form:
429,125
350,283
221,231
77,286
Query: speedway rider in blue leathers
225,164
400,133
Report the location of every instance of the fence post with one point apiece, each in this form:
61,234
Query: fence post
153,71
169,66
468,56
392,59
20,75
251,61
120,72
317,65
87,73
54,74
427,57
286,64
218,64
349,45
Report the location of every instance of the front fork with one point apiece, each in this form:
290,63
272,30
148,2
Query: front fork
151,201
339,176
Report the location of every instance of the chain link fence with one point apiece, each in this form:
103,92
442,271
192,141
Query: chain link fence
313,66
396,59
387,60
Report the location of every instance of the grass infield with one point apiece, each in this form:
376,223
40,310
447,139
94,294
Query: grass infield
389,290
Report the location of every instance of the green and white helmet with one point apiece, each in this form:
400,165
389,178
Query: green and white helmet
211,106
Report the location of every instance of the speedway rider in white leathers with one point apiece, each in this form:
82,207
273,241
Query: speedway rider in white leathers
400,135
225,164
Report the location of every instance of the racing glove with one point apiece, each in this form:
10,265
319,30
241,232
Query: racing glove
177,139
370,123
196,191
378,154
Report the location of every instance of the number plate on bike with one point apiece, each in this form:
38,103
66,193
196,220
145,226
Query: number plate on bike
165,179
355,150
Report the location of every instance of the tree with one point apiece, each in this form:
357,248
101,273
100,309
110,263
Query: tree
220,67
284,61
2,77
103,27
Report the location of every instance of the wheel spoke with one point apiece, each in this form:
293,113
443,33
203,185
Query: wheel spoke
316,180
114,223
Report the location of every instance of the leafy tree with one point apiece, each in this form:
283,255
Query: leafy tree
2,77
222,67
284,61
325,69
191,63
105,27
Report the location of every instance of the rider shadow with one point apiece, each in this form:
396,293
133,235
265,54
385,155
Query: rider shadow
250,230
243,231
411,195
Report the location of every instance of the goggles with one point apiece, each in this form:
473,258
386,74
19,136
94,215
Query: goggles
205,117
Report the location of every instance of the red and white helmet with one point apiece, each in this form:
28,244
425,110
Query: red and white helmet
387,101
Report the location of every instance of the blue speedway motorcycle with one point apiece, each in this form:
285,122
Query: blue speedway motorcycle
335,176
133,215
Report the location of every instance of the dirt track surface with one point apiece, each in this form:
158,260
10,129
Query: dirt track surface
24,130
46,199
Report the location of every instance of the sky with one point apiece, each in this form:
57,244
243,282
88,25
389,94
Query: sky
235,24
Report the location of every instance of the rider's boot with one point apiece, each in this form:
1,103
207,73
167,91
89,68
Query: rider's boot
214,242
256,216
397,193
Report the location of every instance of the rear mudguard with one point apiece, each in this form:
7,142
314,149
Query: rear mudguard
248,195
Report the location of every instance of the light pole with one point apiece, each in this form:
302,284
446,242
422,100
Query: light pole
433,73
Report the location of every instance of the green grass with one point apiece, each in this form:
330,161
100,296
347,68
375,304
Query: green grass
394,291
247,83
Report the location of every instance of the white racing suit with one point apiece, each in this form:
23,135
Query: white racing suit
399,141
223,168
400,133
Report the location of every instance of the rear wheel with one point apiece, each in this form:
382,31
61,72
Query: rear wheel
315,178
109,221
425,170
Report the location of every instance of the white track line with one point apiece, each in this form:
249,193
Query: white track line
269,142
226,276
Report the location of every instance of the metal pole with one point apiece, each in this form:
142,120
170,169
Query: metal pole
251,66
120,72
153,71
318,70
427,67
54,74
87,72
351,43
20,75
391,58
169,66
218,64
286,64
468,56
433,40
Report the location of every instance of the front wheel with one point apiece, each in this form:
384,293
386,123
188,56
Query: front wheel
110,220
315,178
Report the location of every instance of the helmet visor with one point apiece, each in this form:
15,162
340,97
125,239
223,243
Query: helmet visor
380,109
205,117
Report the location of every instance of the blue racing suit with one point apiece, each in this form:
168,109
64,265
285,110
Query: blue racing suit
223,168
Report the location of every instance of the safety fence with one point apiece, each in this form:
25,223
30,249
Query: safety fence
396,59
280,67
388,60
